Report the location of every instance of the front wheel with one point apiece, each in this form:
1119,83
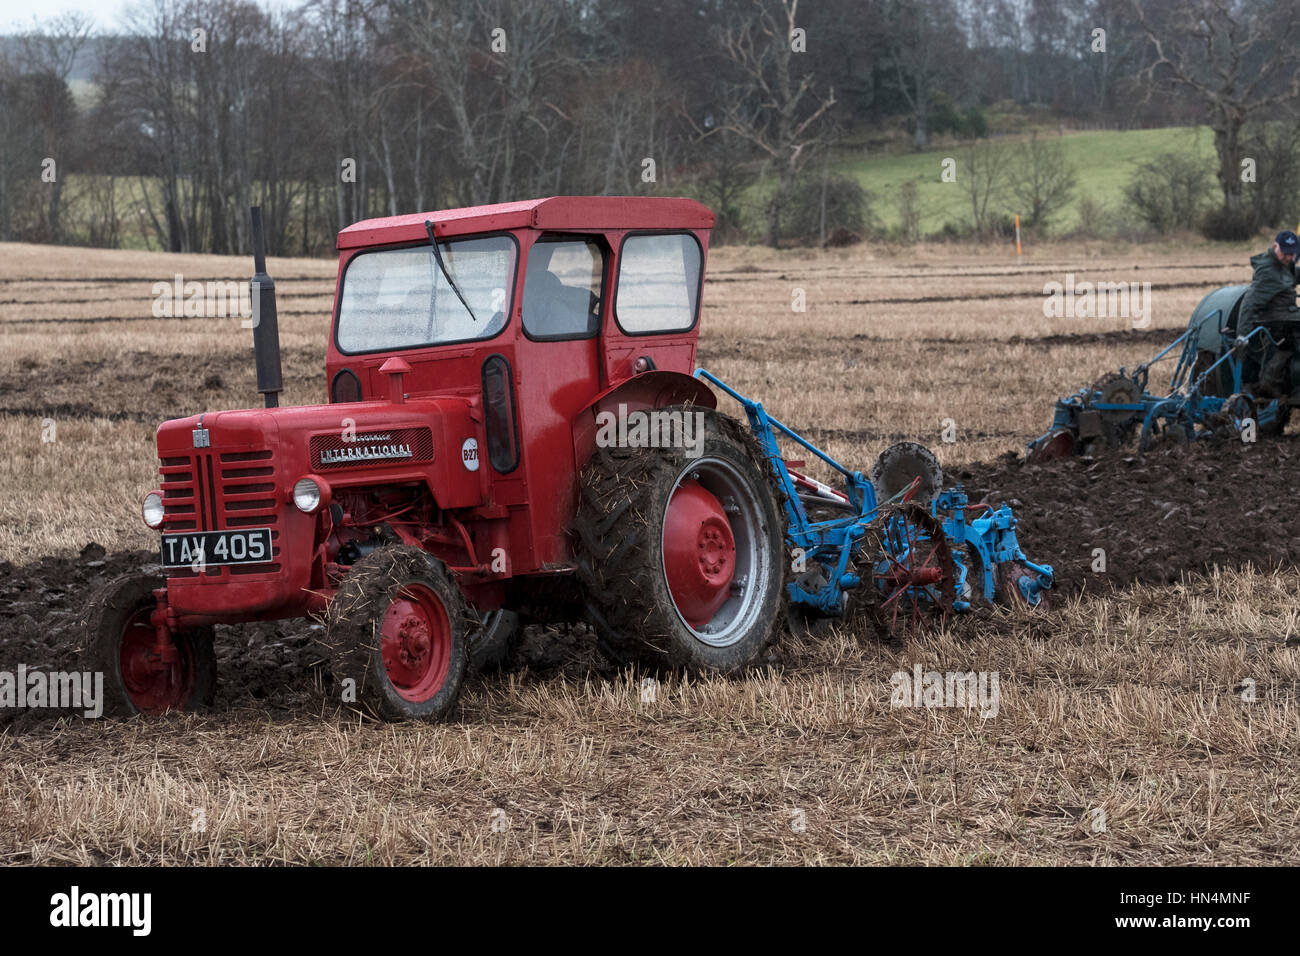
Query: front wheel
123,646
680,550
398,629
492,641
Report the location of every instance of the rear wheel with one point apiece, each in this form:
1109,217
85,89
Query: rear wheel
399,628
123,646
682,558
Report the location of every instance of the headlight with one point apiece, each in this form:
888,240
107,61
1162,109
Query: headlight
307,495
152,509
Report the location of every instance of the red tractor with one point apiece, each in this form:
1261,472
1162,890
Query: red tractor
478,454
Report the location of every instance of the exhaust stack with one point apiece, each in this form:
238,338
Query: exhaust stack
266,327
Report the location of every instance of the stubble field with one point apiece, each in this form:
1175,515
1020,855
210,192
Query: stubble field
1125,732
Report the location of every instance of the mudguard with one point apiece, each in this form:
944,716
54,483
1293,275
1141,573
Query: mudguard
652,389
1218,309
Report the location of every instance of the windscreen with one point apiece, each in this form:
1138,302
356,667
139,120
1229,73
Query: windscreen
399,298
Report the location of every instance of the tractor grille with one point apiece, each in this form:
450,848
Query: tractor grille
247,499
387,447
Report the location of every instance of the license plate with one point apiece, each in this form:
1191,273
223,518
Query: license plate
214,548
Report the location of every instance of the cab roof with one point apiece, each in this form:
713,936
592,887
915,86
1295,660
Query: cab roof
557,213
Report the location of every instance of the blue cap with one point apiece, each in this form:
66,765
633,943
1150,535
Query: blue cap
1288,242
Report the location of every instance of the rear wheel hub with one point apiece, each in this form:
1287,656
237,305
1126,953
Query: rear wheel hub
699,553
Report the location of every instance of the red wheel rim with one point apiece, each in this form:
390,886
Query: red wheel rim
699,553
153,685
416,643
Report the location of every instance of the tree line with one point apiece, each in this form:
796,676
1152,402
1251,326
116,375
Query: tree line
332,111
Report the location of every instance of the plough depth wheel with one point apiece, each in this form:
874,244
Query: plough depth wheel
899,465
1117,425
915,571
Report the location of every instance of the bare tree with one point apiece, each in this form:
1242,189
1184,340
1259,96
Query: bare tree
1237,60
1041,180
983,177
919,52
489,82
768,105
49,51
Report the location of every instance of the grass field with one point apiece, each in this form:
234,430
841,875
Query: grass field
1121,704
1103,160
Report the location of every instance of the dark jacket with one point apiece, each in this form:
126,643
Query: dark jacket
1271,296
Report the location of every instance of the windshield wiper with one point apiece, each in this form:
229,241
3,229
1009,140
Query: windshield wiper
428,227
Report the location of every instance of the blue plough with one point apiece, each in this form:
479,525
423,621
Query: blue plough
950,556
1106,414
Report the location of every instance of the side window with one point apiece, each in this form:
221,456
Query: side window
658,283
562,289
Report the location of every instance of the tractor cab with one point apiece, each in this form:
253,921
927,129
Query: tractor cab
506,276
536,314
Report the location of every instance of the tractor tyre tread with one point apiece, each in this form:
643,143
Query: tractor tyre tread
354,617
627,598
107,612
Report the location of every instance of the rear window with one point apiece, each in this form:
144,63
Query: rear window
400,299
658,283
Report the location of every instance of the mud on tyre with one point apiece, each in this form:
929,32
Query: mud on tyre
682,559
399,627
121,645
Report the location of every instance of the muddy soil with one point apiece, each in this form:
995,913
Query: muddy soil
276,667
143,387
1156,517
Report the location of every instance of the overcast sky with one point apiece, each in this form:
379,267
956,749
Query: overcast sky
17,14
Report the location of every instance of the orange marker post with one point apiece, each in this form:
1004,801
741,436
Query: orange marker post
1017,235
